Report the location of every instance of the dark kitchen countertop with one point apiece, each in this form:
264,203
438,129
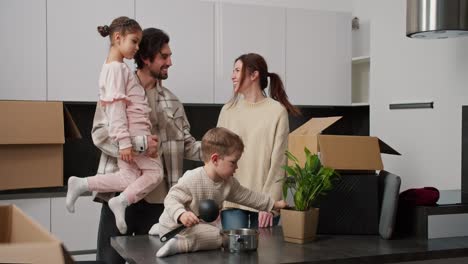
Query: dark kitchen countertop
326,249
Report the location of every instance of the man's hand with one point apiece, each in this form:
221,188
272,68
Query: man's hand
126,154
265,219
189,219
152,150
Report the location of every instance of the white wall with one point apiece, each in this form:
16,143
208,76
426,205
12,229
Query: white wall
410,70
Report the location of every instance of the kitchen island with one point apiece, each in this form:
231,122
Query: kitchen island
326,249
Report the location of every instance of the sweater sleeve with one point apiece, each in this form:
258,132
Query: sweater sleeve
115,101
273,185
222,117
192,147
179,195
241,195
100,134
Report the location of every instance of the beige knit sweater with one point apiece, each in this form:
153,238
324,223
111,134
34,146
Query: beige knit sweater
264,128
196,186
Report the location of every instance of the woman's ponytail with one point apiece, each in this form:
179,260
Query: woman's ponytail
278,93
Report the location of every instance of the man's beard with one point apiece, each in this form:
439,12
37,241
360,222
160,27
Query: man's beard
159,75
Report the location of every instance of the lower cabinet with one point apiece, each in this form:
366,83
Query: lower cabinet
78,231
87,257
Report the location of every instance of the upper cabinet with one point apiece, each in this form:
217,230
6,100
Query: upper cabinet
190,26
318,57
244,29
23,67
54,52
75,50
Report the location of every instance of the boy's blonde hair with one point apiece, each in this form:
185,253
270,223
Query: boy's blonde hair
222,141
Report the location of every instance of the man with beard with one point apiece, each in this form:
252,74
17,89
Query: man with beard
173,143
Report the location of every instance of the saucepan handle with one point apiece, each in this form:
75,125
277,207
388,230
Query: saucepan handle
171,234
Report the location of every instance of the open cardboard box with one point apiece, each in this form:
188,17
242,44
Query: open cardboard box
343,153
22,240
31,143
352,206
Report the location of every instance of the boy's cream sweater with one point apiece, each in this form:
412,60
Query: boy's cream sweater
196,186
264,128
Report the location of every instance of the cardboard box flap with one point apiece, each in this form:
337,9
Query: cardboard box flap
350,152
385,148
315,126
71,129
22,240
31,122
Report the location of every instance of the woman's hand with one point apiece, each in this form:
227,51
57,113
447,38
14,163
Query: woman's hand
126,154
265,219
281,204
152,150
189,219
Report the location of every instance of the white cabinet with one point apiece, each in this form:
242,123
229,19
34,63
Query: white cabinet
190,26
318,57
23,46
78,231
38,209
75,50
244,29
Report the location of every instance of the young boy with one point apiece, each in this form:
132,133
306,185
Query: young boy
221,150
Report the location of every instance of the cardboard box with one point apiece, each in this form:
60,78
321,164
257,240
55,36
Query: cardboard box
353,206
343,153
31,143
22,240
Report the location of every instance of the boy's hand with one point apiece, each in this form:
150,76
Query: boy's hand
189,219
152,150
126,154
280,204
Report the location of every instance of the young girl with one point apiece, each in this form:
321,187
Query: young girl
262,123
127,110
221,149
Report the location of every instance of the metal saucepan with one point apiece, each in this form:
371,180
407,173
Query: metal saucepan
237,240
209,212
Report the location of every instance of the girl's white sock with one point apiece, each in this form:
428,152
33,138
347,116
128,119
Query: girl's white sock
170,248
118,205
76,187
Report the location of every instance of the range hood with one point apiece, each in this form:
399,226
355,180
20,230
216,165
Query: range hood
436,19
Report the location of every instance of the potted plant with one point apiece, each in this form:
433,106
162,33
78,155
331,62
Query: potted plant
306,183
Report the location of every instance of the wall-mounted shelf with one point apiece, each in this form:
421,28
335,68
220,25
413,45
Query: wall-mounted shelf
360,79
361,59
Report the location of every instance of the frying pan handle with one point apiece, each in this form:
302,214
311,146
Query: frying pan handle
171,234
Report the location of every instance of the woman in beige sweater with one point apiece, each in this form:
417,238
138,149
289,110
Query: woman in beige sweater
262,123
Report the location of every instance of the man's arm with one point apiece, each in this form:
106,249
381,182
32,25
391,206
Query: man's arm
192,147
101,139
100,133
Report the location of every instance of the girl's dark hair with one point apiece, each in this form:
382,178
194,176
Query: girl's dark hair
252,62
123,25
151,44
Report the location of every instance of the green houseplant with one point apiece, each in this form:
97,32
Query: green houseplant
306,183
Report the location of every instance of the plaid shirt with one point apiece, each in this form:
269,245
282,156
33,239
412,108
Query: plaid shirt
171,126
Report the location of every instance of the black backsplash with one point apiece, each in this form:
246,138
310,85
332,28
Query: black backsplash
81,157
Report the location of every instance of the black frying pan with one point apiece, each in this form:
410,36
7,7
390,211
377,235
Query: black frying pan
208,210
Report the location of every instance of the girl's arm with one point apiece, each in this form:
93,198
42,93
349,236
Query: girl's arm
114,100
